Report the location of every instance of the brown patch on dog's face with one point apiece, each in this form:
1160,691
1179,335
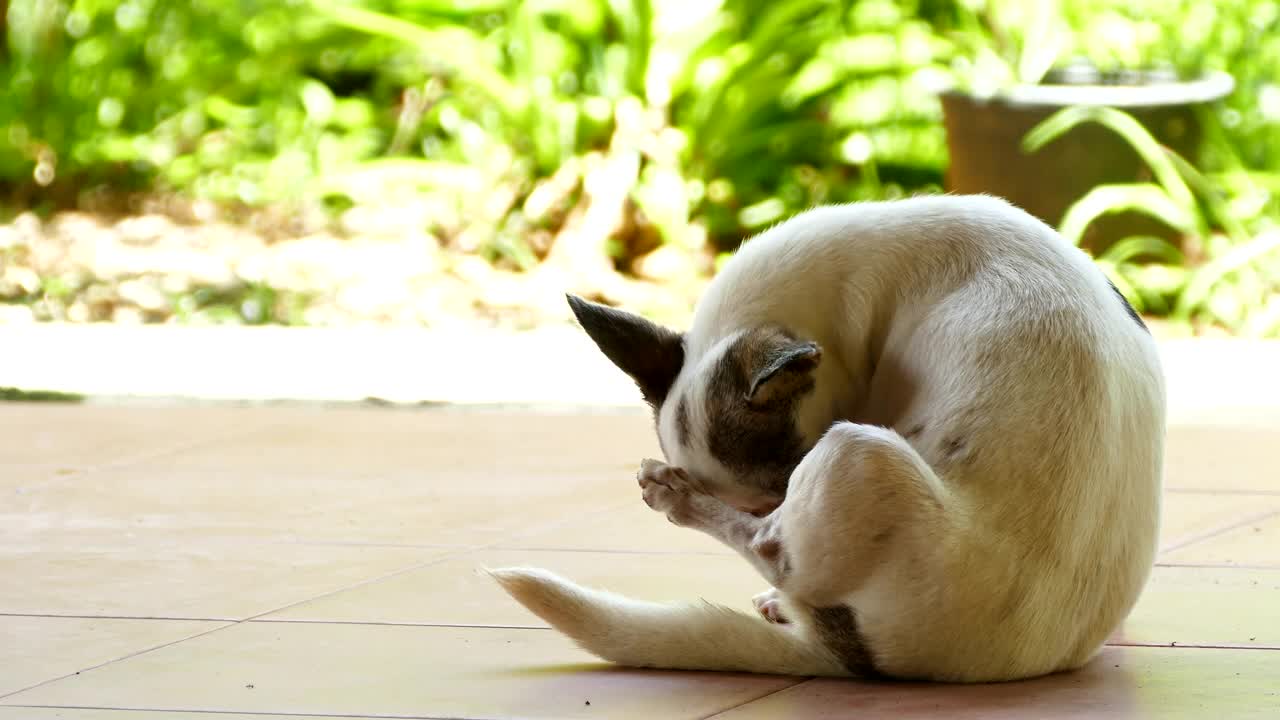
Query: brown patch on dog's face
683,429
751,400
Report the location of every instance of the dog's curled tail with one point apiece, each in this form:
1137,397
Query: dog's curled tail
676,636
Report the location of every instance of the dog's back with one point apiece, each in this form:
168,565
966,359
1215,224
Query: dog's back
1018,373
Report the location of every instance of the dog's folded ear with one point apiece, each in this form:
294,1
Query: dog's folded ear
787,371
649,353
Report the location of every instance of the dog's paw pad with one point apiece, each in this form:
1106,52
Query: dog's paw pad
669,490
657,472
769,605
772,611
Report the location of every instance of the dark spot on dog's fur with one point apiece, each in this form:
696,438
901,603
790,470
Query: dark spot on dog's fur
760,444
771,551
838,628
882,537
953,446
682,422
1128,308
914,431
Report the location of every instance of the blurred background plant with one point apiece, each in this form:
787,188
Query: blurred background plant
606,146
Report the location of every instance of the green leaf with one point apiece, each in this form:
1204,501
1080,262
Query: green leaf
1218,206
1264,322
1140,245
1225,307
1146,198
318,101
1164,280
1155,155
1207,278
455,47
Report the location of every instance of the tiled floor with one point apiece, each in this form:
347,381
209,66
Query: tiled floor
221,562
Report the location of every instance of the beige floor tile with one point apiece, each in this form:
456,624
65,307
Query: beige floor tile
395,670
370,476
1155,683
30,713
78,435
375,441
631,527
1207,606
195,580
118,507
438,506
1191,516
635,527
37,649
228,512
1254,543
17,480
454,592
1222,458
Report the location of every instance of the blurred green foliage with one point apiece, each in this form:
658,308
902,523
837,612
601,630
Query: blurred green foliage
722,115
1235,281
1003,41
767,106
222,98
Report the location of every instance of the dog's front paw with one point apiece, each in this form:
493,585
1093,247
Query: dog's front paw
671,491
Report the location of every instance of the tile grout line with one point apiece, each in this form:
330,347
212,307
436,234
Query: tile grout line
399,623
259,619
269,713
516,536
234,623
659,553
460,552
499,544
1217,566
1220,491
1194,646
131,460
451,555
482,626
127,461
462,549
375,544
78,616
362,583
117,659
1208,534
744,703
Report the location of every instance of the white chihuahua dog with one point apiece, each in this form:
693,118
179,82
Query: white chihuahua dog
932,425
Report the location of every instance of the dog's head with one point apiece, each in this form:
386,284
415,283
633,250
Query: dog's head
731,417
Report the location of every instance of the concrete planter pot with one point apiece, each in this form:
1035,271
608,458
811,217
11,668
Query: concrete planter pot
984,137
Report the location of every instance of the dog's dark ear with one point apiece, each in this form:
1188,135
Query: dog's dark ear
649,353
786,372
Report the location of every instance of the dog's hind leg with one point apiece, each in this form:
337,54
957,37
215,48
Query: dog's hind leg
859,494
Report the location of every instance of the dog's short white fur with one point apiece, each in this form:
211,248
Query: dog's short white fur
931,424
